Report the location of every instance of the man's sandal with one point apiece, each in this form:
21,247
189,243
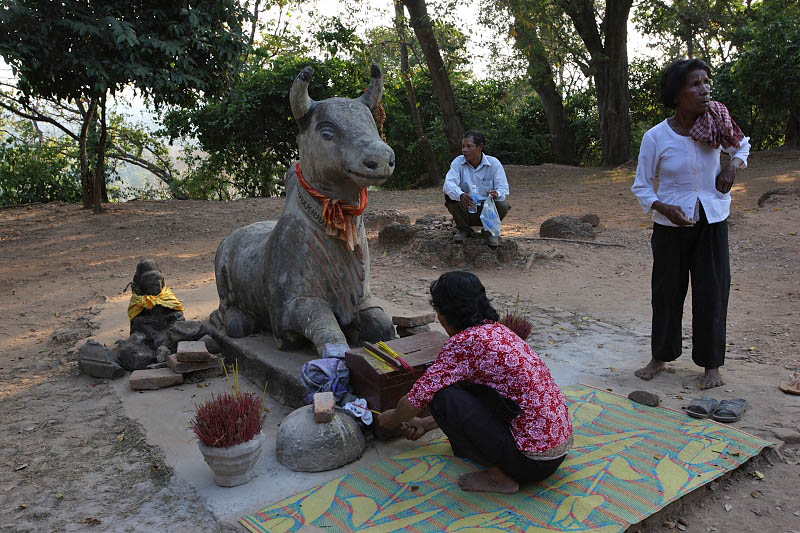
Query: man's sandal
729,410
701,407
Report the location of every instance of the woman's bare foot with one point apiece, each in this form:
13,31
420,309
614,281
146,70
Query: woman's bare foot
653,367
711,379
491,480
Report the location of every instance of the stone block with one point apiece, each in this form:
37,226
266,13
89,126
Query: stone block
182,367
324,403
157,378
187,330
416,330
98,361
414,321
134,353
192,351
201,375
101,369
211,344
162,353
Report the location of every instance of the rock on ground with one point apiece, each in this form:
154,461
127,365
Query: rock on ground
377,220
566,227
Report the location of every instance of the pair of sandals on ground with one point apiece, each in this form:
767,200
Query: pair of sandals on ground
724,411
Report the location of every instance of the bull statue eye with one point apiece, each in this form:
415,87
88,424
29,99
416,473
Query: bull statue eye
327,133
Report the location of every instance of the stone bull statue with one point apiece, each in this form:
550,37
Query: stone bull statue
306,276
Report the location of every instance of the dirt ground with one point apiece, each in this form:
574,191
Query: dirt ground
71,461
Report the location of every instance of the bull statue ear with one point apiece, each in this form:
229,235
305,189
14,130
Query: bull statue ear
298,95
372,96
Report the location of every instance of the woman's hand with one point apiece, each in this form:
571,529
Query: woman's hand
386,420
413,429
727,177
673,212
392,418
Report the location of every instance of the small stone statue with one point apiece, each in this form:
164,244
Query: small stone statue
153,307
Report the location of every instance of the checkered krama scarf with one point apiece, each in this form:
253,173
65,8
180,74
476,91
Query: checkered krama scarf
716,127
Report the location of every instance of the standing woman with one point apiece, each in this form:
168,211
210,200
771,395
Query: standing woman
488,392
691,207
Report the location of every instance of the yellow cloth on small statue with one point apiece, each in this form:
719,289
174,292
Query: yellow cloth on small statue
165,299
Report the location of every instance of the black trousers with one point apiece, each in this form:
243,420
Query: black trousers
699,252
478,434
464,219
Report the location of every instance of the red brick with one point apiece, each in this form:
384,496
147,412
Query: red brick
324,403
192,351
181,367
413,321
200,375
157,378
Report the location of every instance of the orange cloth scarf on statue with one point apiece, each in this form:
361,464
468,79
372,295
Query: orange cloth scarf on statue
338,215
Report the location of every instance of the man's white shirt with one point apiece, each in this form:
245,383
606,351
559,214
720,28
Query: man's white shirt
489,175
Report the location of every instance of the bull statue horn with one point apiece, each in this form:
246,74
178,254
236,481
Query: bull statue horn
298,96
372,96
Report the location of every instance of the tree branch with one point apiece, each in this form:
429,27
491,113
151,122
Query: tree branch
161,173
37,117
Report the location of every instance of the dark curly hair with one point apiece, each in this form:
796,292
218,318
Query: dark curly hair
674,76
461,298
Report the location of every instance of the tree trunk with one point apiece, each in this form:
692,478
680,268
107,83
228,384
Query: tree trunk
100,170
562,137
609,65
791,138
434,177
253,30
423,29
86,180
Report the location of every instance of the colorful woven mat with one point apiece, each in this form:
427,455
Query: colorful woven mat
628,462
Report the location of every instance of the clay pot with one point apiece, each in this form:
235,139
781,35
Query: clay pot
233,465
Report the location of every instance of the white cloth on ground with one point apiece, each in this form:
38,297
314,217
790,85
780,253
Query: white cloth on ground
359,409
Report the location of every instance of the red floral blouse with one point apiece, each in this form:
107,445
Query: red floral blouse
493,355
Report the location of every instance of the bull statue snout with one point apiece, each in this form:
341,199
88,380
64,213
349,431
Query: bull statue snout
377,161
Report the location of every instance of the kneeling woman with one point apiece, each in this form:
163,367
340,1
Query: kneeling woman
489,392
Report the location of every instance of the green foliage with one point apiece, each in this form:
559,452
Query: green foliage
761,85
79,52
33,173
167,50
646,107
697,28
582,114
508,114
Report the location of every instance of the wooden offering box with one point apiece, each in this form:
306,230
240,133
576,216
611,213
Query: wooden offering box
380,384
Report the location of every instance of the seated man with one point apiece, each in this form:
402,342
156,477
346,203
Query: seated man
472,178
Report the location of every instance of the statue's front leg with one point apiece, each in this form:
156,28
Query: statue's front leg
314,319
